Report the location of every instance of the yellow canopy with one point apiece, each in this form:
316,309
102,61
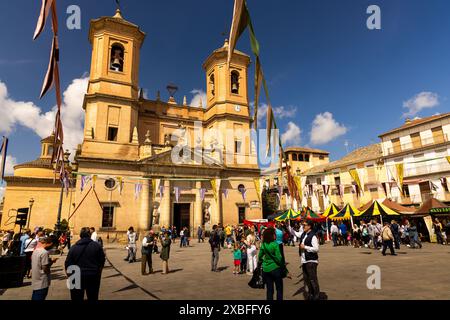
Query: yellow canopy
377,209
331,210
345,214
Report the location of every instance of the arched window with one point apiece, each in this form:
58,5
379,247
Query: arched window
212,84
235,82
117,58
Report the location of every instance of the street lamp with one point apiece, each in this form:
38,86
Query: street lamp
31,202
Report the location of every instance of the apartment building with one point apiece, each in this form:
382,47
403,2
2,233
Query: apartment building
422,145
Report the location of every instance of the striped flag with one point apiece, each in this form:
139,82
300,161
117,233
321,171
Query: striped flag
3,152
137,190
225,193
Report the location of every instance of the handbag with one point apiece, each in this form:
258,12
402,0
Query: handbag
257,281
284,270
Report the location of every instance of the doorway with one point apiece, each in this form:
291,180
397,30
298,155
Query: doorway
182,215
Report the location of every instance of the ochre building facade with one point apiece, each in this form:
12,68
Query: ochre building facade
149,163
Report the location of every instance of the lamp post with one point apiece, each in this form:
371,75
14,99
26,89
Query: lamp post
58,219
31,202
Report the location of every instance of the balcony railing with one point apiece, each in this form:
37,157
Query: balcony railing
430,168
423,143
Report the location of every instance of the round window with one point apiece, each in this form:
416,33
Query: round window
110,184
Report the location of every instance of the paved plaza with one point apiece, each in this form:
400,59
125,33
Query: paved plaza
413,274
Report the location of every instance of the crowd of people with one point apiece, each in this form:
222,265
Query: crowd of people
372,234
253,250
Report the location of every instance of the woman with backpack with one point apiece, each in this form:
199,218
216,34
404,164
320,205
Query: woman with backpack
273,264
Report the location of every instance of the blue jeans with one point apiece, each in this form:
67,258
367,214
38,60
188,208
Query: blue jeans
39,295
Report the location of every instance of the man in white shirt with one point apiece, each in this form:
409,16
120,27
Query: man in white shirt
309,248
295,233
334,233
94,236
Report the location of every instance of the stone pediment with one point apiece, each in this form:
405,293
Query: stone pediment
165,158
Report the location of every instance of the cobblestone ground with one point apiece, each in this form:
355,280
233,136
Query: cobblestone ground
413,274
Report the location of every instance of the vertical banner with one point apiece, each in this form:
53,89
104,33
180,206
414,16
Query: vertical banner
444,184
298,183
341,190
202,194
429,223
355,176
384,185
156,184
93,181
225,193
82,183
215,186
3,153
400,173
137,190
120,181
161,191
177,193
243,192
258,187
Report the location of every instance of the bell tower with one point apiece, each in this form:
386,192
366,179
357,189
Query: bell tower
228,104
111,103
227,85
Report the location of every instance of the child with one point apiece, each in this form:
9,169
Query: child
237,255
243,257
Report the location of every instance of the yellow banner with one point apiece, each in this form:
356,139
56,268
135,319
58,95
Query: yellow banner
355,177
298,183
214,188
154,188
257,183
448,159
94,180
400,173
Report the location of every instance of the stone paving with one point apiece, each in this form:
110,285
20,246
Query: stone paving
413,274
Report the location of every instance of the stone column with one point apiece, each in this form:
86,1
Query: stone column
198,206
144,213
164,209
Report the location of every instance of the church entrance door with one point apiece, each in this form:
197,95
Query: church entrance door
182,215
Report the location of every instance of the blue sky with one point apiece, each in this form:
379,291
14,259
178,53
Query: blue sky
325,69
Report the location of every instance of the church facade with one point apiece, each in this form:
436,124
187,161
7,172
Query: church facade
150,163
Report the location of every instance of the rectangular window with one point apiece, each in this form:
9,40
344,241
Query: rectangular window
241,213
396,147
108,217
416,141
294,157
300,157
237,146
306,157
321,157
438,135
112,133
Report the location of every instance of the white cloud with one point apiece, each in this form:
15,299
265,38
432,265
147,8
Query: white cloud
423,100
292,136
199,95
29,115
326,129
9,170
280,112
